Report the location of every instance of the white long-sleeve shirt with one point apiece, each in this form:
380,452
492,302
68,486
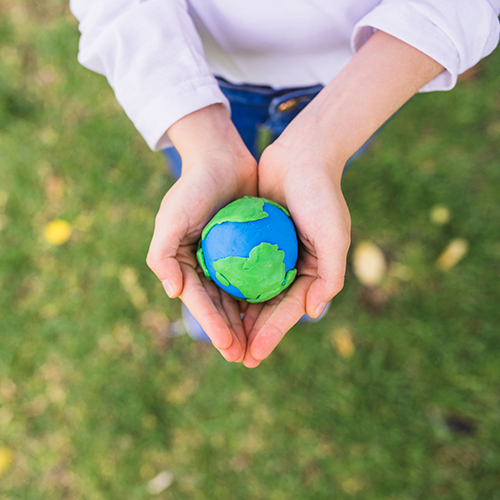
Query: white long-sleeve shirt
160,56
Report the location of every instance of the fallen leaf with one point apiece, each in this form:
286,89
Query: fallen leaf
440,215
455,251
342,342
369,264
57,232
6,457
160,482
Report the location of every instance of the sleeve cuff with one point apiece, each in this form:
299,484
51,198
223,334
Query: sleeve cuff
157,69
409,25
169,106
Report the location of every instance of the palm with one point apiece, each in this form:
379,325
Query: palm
322,221
185,210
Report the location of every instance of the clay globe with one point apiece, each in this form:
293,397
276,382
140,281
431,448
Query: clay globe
250,249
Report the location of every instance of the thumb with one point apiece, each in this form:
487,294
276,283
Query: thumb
331,252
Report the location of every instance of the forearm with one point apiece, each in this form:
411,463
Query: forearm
381,77
206,134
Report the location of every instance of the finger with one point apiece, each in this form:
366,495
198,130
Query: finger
263,339
206,309
161,258
331,255
167,269
250,362
243,306
326,239
252,313
255,317
231,310
228,309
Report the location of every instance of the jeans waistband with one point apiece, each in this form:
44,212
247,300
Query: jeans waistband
266,96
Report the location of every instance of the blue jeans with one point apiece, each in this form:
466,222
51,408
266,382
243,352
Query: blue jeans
259,113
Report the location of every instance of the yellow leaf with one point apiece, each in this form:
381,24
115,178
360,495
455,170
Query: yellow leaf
440,215
455,251
369,263
6,456
342,341
57,232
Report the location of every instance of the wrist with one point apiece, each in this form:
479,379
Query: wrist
302,147
205,133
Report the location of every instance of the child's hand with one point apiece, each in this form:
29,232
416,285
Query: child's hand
217,169
309,186
303,167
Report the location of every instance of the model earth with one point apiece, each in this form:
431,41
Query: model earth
250,249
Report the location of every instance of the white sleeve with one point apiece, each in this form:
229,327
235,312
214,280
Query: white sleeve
455,33
152,56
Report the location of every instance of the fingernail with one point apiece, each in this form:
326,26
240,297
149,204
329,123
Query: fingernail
168,287
319,309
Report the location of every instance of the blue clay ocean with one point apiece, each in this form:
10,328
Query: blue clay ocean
250,249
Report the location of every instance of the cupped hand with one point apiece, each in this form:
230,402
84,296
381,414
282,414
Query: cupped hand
308,185
216,170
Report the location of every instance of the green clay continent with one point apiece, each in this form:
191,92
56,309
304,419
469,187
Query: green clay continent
246,209
201,261
260,276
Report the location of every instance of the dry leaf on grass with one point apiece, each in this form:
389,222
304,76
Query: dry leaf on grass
342,342
6,456
160,483
369,263
455,251
440,215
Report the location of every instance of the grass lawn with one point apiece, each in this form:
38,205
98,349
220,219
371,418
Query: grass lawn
395,395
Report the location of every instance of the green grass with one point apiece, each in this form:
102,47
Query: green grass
95,401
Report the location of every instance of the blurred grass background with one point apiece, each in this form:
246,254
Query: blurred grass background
395,395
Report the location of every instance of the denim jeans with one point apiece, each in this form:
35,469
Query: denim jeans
259,113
